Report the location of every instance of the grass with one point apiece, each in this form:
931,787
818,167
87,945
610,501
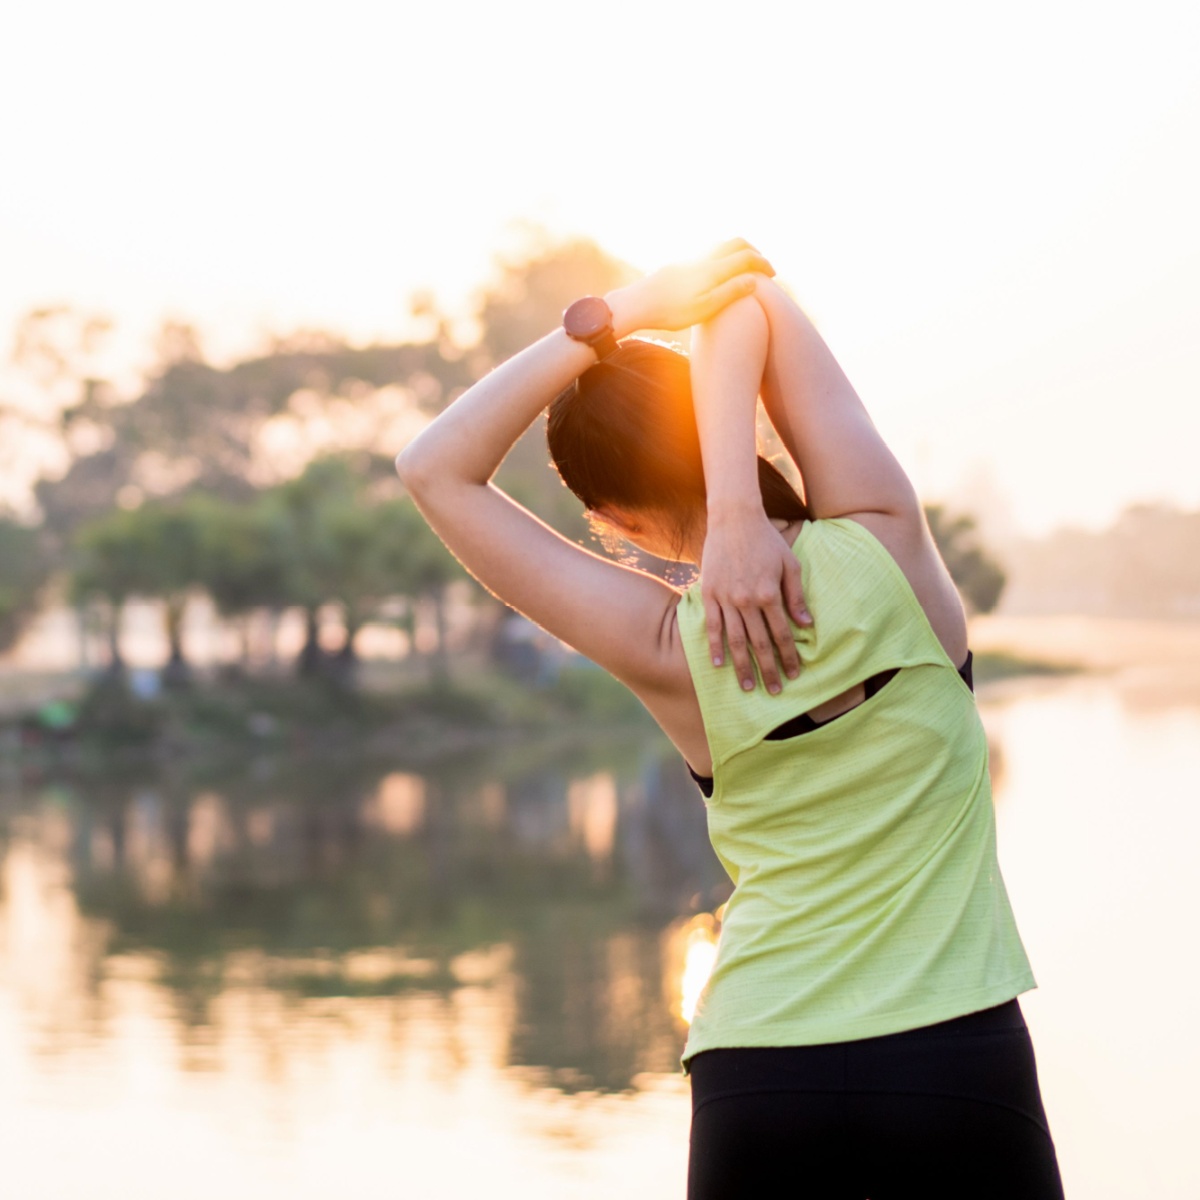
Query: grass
418,719
992,666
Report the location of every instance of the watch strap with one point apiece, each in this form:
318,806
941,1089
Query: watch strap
589,320
604,343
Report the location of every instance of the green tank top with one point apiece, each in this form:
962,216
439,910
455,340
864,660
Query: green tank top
867,896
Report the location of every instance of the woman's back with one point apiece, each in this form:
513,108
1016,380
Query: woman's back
867,897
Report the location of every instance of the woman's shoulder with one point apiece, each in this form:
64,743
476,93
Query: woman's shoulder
905,543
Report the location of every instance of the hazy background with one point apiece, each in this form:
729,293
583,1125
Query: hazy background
990,210
319,869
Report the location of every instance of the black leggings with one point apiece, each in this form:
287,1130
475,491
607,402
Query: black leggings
950,1110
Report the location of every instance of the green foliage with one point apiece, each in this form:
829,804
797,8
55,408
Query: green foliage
977,575
587,691
107,558
241,565
110,712
175,499
324,537
526,301
994,665
339,543
23,571
529,296
156,551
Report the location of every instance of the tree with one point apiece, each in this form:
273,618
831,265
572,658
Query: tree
339,541
21,578
526,301
424,569
153,551
241,564
105,555
531,291
294,513
977,575
171,568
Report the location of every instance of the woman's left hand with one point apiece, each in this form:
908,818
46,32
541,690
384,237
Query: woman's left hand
679,296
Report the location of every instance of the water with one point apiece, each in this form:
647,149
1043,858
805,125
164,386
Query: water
316,978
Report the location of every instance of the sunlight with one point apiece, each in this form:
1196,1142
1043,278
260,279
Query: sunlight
699,956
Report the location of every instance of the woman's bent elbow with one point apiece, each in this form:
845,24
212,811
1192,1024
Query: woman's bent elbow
413,467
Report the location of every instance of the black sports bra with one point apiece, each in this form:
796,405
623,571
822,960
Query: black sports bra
805,724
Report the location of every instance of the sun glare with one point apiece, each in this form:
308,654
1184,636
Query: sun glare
699,938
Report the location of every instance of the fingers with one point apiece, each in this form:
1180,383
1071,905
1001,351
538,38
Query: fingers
761,632
720,624
747,635
731,247
742,262
714,624
759,635
721,297
793,594
739,648
780,631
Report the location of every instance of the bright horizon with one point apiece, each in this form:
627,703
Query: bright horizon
990,216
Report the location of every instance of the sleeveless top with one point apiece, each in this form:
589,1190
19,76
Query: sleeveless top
804,723
867,895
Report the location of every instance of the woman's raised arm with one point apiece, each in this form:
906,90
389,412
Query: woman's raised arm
750,581
608,612
848,469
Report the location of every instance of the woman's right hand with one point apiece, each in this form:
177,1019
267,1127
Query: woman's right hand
682,295
751,588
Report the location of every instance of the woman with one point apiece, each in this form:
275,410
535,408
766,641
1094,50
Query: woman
860,1035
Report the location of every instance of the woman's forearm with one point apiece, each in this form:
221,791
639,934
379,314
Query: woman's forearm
727,361
468,441
750,583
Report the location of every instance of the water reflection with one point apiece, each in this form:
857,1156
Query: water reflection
287,981
558,886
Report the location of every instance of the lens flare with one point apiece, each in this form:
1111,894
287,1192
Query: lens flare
699,938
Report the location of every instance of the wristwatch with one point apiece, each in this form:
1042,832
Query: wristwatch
590,321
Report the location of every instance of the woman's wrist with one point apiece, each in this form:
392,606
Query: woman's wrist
743,508
626,319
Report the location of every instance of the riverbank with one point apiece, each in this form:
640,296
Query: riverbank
80,724
68,721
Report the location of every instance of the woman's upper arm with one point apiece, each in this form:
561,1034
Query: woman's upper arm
616,616
911,544
845,464
847,468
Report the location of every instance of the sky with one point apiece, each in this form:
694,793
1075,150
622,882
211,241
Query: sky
990,211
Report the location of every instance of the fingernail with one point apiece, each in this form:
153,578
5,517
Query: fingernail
747,685
774,689
717,660
793,673
805,617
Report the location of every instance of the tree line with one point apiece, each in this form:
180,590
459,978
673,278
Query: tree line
267,484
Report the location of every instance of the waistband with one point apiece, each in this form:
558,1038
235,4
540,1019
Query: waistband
985,1056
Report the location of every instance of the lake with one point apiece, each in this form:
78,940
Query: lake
315,977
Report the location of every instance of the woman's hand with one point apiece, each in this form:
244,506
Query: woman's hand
683,295
750,585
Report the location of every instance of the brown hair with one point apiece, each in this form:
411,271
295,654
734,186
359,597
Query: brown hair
625,433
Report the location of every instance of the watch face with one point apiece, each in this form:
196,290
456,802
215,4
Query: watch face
587,317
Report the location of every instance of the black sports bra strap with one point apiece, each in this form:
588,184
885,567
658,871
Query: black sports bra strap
805,724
